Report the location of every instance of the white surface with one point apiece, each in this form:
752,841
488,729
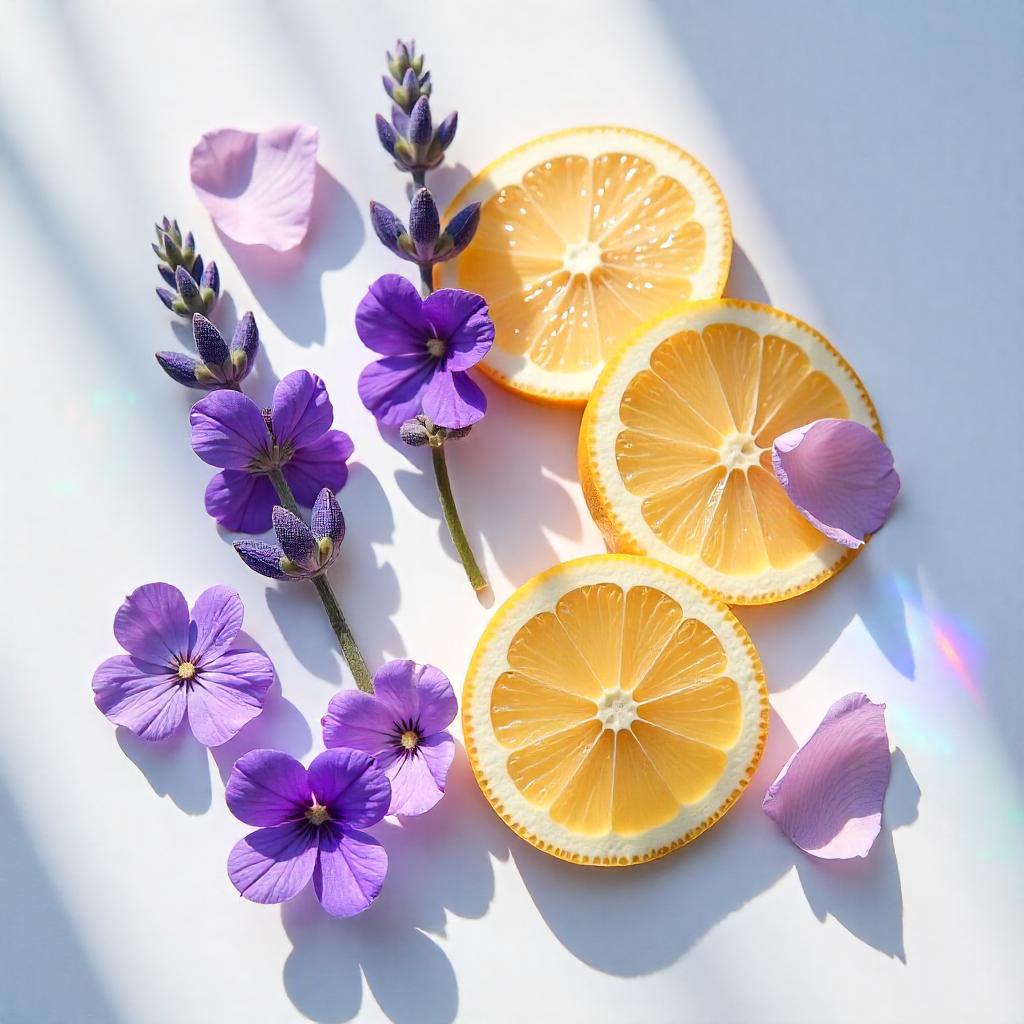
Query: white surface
872,159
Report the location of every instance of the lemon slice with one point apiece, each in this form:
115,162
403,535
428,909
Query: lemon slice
613,710
584,235
675,446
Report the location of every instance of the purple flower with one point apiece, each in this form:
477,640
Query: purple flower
427,345
840,476
425,243
310,828
218,366
304,553
402,724
828,799
231,432
180,663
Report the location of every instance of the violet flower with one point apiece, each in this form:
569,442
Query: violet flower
219,365
428,345
291,443
403,725
302,552
191,286
310,828
424,242
181,663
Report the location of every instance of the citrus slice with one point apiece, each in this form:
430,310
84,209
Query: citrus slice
613,710
675,446
583,236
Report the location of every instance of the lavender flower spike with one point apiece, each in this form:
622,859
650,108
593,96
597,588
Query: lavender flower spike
218,366
423,242
192,287
302,552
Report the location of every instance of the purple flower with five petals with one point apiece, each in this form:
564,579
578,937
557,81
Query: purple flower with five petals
305,552
428,345
310,828
181,663
403,725
230,431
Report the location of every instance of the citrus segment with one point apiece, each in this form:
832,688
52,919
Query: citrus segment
675,448
650,734
583,236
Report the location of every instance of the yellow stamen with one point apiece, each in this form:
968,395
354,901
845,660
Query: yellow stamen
410,739
317,814
186,671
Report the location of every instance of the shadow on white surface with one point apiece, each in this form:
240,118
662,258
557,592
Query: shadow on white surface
178,767
509,480
45,973
634,922
439,864
288,285
744,280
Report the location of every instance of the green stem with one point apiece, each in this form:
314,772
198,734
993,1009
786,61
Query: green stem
426,279
419,178
349,647
451,518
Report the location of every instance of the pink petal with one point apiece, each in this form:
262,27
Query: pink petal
258,186
350,870
828,798
840,476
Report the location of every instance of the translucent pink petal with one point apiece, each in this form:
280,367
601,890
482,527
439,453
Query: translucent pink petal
420,694
145,698
390,319
258,186
351,785
241,501
267,787
417,782
153,624
302,409
360,721
318,465
840,475
274,864
828,798
216,620
462,319
227,430
227,693
349,872
453,399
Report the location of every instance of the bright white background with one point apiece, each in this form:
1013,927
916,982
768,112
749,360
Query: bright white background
871,155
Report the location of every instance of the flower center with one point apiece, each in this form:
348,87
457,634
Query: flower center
186,671
317,814
410,739
437,347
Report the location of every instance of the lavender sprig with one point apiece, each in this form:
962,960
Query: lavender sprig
192,287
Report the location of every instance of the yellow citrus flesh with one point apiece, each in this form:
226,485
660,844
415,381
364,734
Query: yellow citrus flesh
675,447
613,710
583,236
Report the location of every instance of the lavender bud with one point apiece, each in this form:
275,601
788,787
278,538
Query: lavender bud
166,273
458,233
424,223
446,130
179,367
420,127
414,433
166,297
211,279
386,134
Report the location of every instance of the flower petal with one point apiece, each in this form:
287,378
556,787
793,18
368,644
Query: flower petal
216,619
153,624
301,410
274,864
840,476
417,782
144,698
828,798
209,341
350,870
226,694
241,501
351,786
359,721
462,319
454,400
267,787
258,186
420,694
319,465
390,319
296,538
227,430
393,388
